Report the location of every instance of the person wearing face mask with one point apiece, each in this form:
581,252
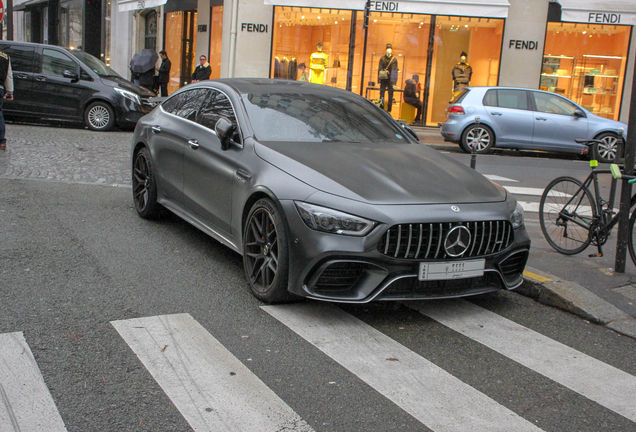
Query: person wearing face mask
387,75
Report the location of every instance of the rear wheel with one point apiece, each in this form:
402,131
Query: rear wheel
632,237
266,253
99,116
566,212
479,135
610,150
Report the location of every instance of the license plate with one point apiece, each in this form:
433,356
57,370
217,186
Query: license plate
451,270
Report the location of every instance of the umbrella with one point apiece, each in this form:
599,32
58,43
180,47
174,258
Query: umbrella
143,61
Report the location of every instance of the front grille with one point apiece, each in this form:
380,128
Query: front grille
338,277
513,266
145,101
425,241
412,288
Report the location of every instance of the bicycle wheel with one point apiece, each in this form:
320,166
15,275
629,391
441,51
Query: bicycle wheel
630,240
566,213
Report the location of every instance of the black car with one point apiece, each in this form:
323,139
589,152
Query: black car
52,82
324,194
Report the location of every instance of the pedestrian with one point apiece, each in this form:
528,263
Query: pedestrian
164,72
202,71
147,79
6,92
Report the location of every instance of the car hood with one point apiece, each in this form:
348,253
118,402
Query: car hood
120,82
381,174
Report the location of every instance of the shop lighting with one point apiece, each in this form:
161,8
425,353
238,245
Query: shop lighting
584,32
302,17
600,56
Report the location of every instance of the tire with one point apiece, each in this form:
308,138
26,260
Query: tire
99,116
567,196
266,253
482,135
144,186
611,150
632,237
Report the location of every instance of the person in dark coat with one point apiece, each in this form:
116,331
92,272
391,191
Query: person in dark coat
412,96
202,71
6,92
164,73
147,79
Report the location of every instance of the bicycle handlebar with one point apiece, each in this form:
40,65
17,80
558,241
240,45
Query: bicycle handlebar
618,174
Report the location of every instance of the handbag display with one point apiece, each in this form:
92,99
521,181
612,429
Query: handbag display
384,74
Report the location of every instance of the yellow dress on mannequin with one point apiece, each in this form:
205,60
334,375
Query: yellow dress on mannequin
317,63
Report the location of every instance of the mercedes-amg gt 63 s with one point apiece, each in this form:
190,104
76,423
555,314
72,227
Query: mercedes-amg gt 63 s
324,195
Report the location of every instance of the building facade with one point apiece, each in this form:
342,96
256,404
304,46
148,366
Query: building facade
582,49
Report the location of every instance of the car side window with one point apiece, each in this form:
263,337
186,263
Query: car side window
56,62
490,99
551,104
218,105
515,99
192,100
172,104
22,57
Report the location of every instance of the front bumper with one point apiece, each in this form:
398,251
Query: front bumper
128,112
354,270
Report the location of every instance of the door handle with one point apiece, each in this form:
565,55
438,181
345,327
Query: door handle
243,174
22,76
40,78
496,113
156,129
194,144
542,119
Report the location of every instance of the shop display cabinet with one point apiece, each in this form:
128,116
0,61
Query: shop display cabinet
598,84
558,75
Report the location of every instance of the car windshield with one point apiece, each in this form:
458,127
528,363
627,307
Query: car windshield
315,117
96,65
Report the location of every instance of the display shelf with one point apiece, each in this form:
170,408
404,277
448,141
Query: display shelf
597,86
558,73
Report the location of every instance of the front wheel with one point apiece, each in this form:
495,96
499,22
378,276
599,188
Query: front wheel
144,185
566,212
480,136
610,149
99,116
266,253
632,237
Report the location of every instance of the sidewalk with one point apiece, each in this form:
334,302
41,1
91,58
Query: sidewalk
587,287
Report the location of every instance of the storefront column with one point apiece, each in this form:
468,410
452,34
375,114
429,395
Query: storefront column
203,36
121,46
253,39
626,103
523,43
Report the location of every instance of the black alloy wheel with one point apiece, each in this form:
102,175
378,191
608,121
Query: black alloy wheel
265,253
145,186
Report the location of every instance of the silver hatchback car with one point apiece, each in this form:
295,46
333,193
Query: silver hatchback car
517,118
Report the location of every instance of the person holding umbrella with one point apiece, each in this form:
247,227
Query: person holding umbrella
143,63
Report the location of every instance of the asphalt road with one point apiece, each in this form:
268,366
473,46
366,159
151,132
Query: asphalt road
75,261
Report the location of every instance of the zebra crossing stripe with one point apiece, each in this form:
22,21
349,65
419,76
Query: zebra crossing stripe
424,390
25,401
600,382
211,388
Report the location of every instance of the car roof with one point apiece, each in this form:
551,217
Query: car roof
259,85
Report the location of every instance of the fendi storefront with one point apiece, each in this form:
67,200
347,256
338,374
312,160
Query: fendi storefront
438,46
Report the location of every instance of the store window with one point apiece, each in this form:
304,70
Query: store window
311,45
408,36
180,41
150,31
216,40
107,32
586,63
480,40
71,24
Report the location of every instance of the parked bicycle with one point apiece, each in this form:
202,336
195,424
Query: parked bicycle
572,217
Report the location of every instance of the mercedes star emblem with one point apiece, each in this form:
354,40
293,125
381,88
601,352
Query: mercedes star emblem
457,241
455,209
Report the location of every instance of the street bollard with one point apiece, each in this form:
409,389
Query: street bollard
473,148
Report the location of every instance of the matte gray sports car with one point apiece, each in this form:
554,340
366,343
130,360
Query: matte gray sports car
324,195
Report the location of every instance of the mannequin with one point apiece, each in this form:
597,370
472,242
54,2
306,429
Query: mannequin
318,64
461,74
387,75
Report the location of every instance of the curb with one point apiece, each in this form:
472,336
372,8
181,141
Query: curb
572,297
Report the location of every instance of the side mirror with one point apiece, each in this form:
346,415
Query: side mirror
579,113
70,75
411,131
224,130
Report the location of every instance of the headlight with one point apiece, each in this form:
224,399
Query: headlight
517,217
128,95
333,221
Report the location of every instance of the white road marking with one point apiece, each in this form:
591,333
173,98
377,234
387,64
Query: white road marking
600,382
498,178
25,401
524,190
211,388
427,392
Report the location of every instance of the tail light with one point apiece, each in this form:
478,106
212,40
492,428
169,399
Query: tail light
456,110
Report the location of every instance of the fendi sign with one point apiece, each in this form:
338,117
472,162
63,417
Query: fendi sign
254,28
522,44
